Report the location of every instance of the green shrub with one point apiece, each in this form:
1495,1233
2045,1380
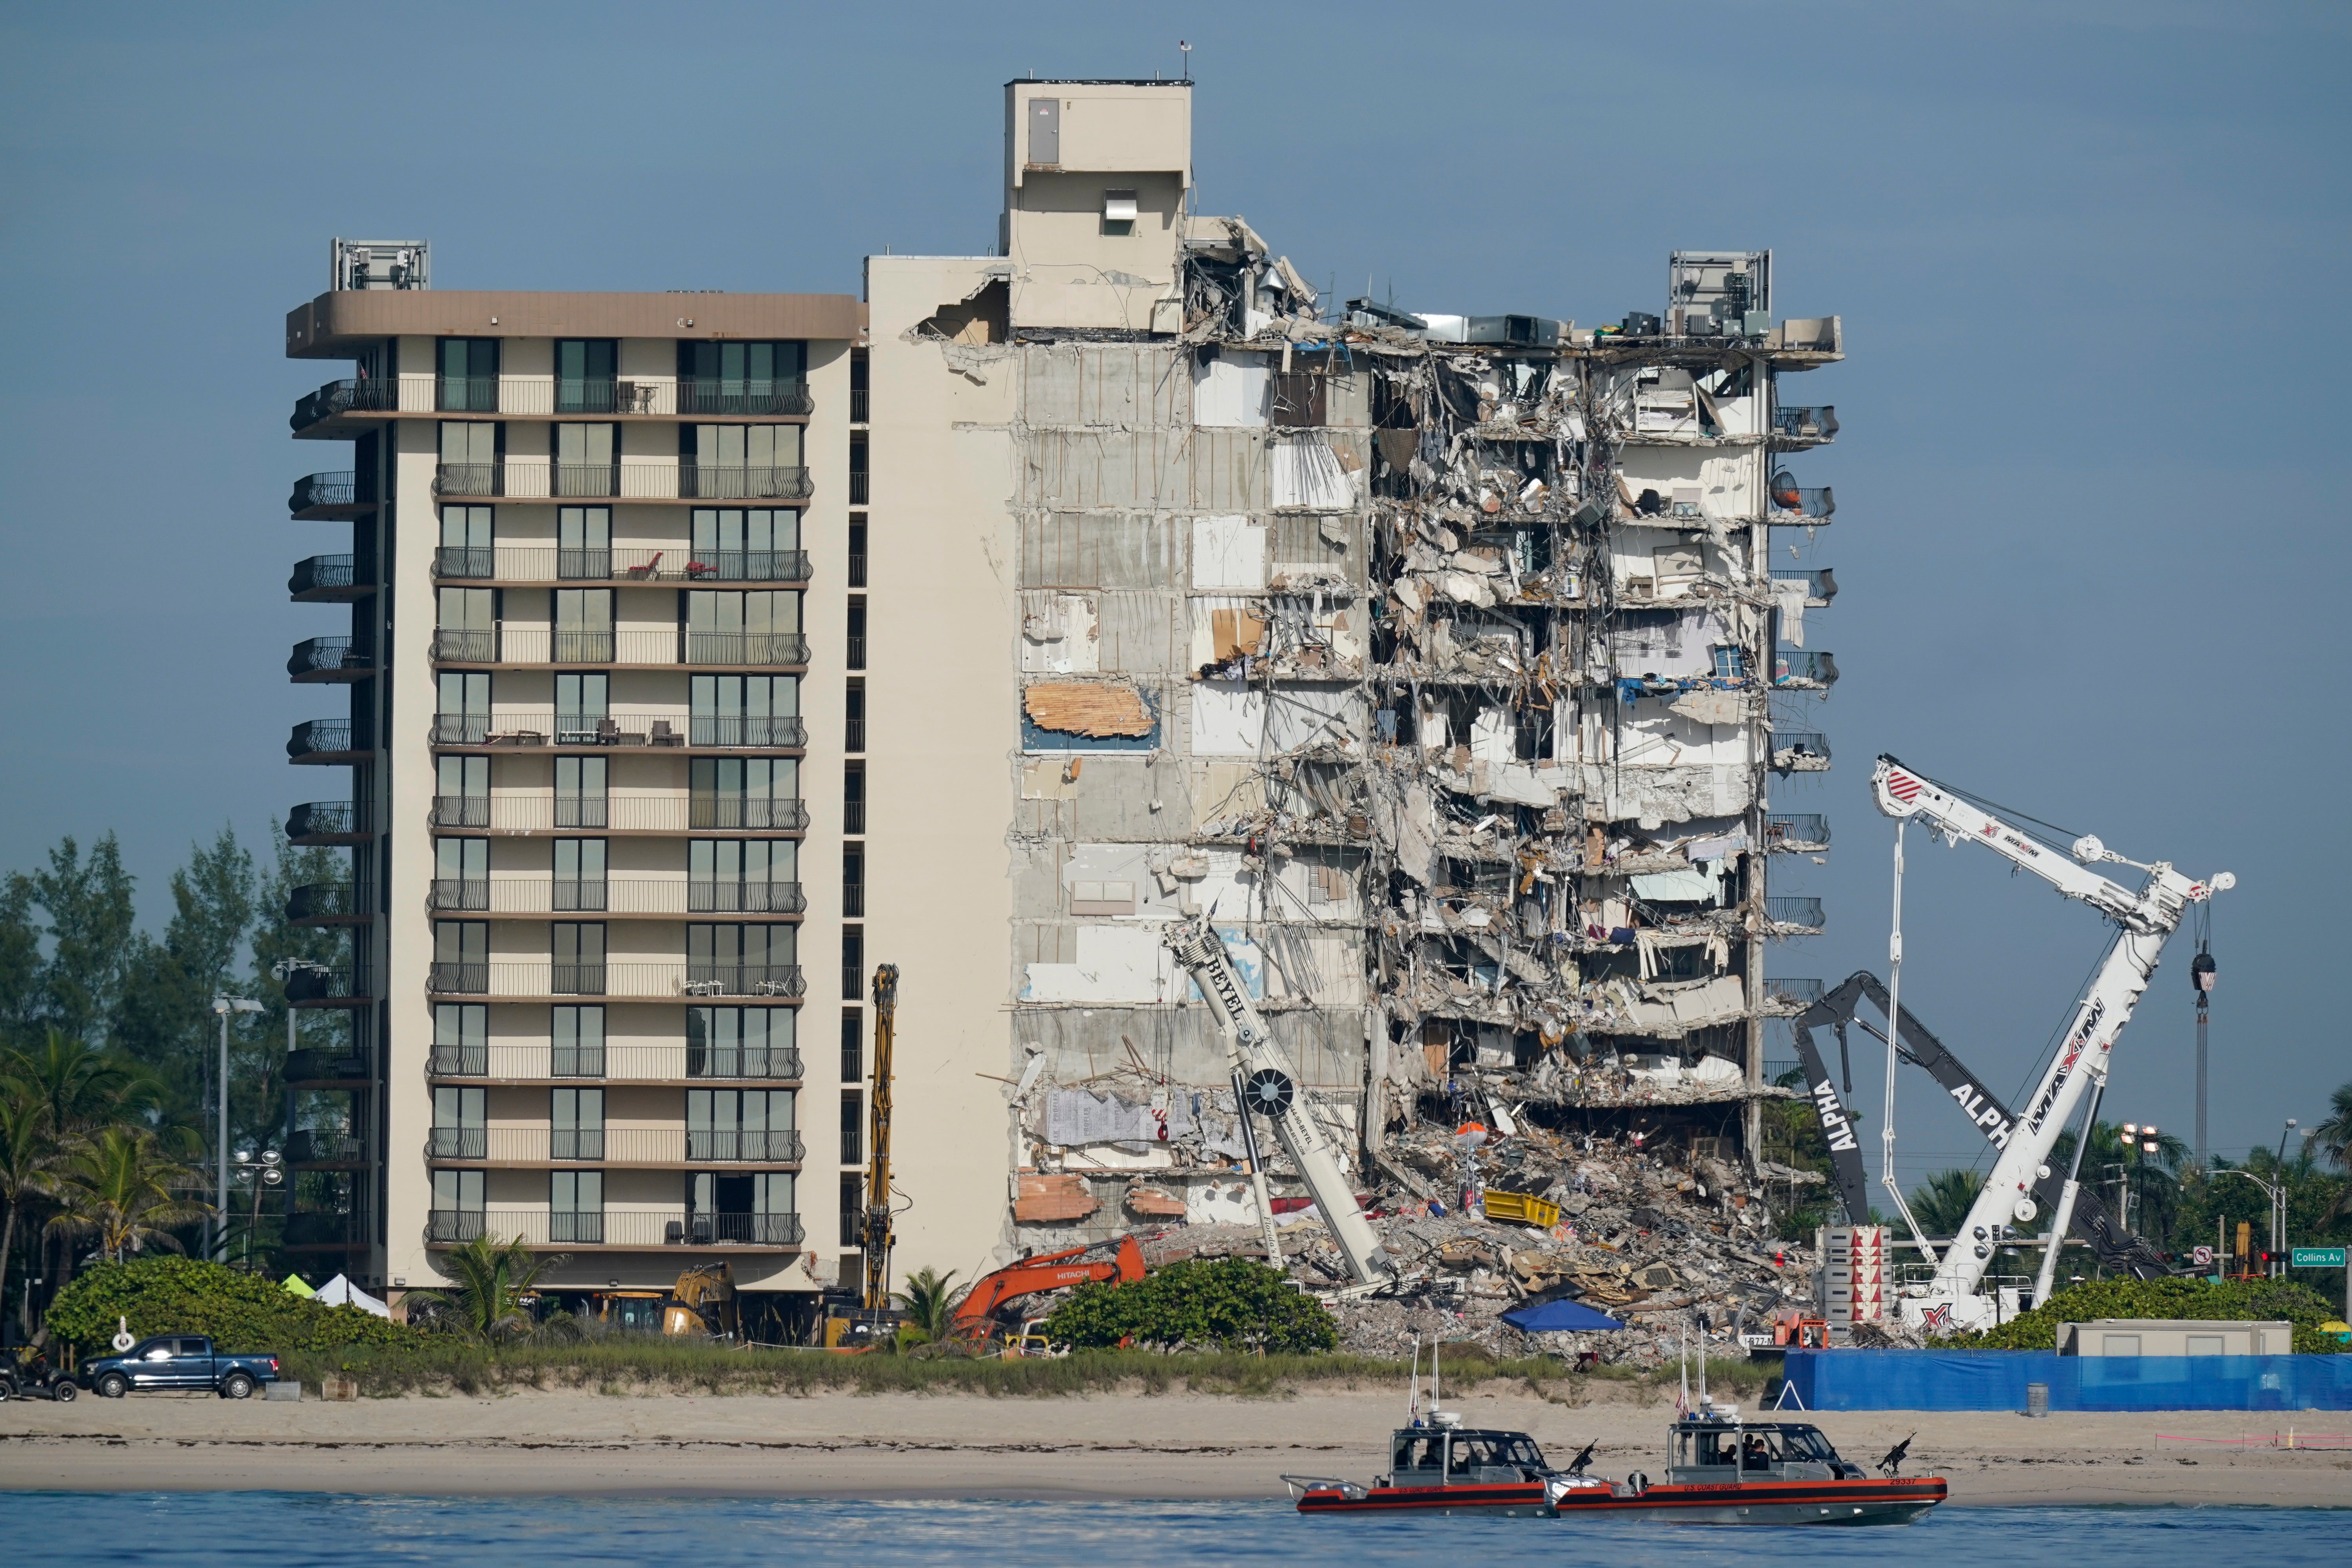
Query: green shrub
187,1296
2261,1300
1229,1304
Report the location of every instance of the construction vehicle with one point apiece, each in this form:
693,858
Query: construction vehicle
874,1319
2144,920
1265,1084
976,1315
702,1302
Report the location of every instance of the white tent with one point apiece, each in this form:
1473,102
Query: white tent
341,1292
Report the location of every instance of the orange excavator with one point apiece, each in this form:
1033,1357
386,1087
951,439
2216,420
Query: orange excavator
975,1315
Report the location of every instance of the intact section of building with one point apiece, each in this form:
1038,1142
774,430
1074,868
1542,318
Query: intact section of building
586,762
1450,662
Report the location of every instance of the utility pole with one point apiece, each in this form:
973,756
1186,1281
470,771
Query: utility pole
217,1241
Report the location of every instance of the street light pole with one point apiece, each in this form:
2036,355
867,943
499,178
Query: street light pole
216,1246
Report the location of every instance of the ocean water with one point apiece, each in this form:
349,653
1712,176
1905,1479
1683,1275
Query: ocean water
290,1530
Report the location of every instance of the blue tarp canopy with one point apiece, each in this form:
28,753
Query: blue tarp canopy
1557,1318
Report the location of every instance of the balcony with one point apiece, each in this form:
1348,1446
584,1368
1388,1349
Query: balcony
857,487
860,401
540,1063
742,812
530,479
323,822
328,579
341,409
1796,505
327,407
1793,993
554,564
1795,831
455,894
460,811
467,979
1820,587
698,395
1804,670
323,496
652,980
325,741
655,895
746,648
643,647
1804,426
1801,916
543,1145
318,1069
1799,752
311,1148
330,904
332,988
678,813
615,1228
539,727
320,659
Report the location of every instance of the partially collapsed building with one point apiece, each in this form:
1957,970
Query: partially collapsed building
1444,660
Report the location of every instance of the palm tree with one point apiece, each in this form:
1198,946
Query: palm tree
492,1276
120,1186
27,1153
930,1300
1942,1202
2333,1137
80,1087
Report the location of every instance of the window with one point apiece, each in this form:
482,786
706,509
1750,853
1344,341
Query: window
860,455
755,793
853,796
466,543
457,1123
461,791
853,718
746,544
1730,663
461,956
740,378
853,880
745,710
583,374
470,459
742,960
580,799
583,542
467,624
463,714
461,873
853,1044
739,462
578,875
575,1202
852,1127
747,1207
587,459
861,377
853,963
456,1205
575,1123
853,1209
741,1042
740,1124
740,876
857,550
583,626
857,649
1299,399
758,628
578,960
469,376
577,1037
581,708
461,1046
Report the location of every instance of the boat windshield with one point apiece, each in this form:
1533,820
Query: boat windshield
1475,1451
1807,1443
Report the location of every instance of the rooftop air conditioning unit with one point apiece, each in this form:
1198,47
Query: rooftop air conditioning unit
383,263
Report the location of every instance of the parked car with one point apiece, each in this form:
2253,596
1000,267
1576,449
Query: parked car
179,1361
29,1376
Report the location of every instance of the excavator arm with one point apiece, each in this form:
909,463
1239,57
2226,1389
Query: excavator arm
1121,1260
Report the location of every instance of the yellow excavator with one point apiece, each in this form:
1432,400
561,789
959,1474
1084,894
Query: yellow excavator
700,1305
874,1320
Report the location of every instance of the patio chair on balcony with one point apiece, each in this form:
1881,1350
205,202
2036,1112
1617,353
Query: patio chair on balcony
701,571
608,731
651,569
664,734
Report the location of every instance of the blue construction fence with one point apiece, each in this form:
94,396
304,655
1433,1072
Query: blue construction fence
1996,1379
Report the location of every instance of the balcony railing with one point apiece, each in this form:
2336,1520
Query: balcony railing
313,1148
781,1147
1820,584
325,578
329,903
1816,423
544,395
539,813
768,816
333,987
458,1144
1798,993
325,495
528,895
654,1063
461,811
853,900
539,479
325,822
860,401
572,895
539,727
1799,751
328,1067
614,1228
467,979
472,646
564,564
1806,667
458,893
746,648
1796,829
464,561
561,645
744,897
330,658
744,980
578,979
1801,503
321,739
1805,913
857,487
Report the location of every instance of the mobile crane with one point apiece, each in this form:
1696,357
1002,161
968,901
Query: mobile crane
1265,1083
2144,921
874,1317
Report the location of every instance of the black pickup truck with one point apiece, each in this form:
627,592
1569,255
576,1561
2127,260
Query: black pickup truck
179,1361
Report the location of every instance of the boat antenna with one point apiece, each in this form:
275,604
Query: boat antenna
1682,1363
1703,1403
1433,1412
1412,1387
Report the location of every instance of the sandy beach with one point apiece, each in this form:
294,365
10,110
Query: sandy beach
1166,1447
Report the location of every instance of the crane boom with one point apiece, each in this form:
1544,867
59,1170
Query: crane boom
1265,1080
876,1235
2145,919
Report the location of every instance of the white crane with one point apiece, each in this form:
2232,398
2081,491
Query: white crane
2144,919
1264,1081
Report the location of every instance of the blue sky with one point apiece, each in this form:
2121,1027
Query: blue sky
2091,262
